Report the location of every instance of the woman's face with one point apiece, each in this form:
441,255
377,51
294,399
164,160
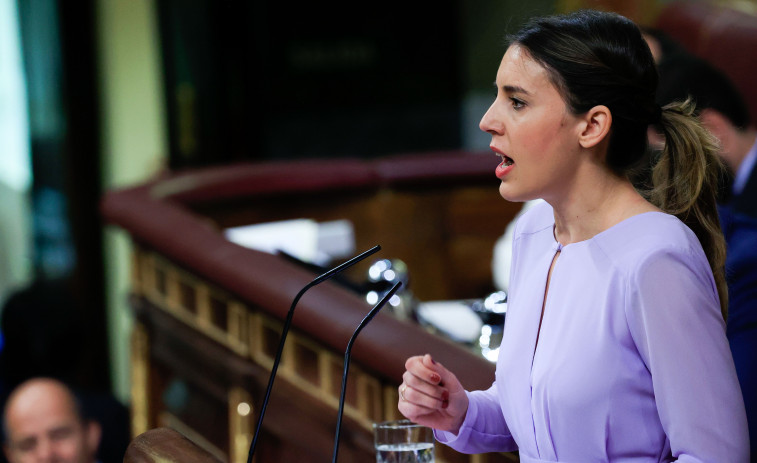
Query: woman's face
532,130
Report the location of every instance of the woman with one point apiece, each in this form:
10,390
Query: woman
614,347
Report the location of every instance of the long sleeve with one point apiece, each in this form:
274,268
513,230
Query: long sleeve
484,429
632,360
675,321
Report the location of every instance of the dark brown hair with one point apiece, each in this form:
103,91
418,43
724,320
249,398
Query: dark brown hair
599,58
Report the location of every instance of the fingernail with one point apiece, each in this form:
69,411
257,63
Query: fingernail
445,404
435,378
445,396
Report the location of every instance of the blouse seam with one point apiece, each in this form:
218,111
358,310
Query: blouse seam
626,273
520,234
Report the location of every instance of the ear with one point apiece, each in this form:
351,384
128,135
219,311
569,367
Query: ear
595,126
93,434
727,135
715,122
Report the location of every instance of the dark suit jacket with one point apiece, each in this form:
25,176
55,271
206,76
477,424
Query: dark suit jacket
741,273
746,201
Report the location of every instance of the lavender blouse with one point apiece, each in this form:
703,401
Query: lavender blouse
632,363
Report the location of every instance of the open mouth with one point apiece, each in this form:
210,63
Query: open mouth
506,161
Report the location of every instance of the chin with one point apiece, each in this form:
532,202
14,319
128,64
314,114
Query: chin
513,196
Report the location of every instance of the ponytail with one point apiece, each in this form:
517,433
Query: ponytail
685,184
597,58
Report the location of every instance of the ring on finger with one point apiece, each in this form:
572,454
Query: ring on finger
402,393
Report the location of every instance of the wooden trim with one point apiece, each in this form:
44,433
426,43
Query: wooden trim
140,380
240,427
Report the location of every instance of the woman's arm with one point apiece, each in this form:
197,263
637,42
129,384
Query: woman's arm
674,316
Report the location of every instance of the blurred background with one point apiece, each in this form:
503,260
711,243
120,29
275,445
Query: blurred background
102,94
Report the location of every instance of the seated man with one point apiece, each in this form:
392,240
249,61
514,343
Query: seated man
42,422
721,109
741,273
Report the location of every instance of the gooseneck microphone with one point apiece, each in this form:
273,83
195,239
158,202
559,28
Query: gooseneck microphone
347,354
285,330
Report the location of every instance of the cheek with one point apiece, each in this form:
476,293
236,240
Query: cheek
70,450
550,136
22,457
537,128
535,142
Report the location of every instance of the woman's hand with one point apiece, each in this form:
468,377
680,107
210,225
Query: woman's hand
431,395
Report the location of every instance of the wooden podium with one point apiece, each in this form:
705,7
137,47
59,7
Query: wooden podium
208,313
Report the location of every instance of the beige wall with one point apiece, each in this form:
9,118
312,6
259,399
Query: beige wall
134,143
485,24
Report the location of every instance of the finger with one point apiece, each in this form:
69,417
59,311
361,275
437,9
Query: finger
422,386
416,402
422,399
423,369
413,362
438,400
446,378
415,409
416,413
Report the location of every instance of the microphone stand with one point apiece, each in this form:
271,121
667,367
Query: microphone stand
285,330
347,354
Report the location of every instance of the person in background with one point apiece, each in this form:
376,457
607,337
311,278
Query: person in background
42,422
614,347
45,336
741,273
722,110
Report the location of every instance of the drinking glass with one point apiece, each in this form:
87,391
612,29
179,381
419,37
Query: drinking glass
403,441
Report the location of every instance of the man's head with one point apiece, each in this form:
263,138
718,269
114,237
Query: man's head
43,423
720,105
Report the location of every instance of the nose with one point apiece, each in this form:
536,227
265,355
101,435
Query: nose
490,123
44,451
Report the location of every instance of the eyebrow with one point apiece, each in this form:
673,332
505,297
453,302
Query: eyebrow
515,89
512,88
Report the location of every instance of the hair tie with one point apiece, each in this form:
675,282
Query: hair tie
657,114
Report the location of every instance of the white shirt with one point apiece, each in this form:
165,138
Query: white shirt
742,174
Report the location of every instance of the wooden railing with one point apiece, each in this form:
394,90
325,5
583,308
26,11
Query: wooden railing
209,312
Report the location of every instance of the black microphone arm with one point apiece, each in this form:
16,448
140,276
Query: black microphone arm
347,354
284,332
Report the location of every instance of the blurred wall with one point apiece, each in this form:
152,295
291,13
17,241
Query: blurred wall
134,143
15,163
134,132
486,24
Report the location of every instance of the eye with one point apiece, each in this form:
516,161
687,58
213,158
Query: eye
26,445
517,104
62,433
